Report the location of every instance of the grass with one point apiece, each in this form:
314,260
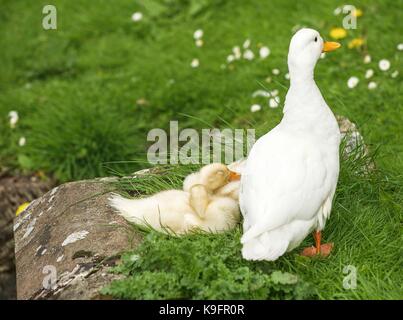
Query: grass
365,227
88,93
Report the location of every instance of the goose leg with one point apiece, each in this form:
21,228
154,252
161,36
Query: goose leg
319,249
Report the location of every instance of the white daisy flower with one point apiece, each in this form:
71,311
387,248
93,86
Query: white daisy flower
367,58
275,71
246,44
369,73
352,82
268,79
394,74
199,43
264,52
237,52
195,63
13,115
372,85
287,76
384,64
137,16
337,11
255,108
274,93
261,93
400,47
323,55
198,34
230,58
248,54
22,141
274,102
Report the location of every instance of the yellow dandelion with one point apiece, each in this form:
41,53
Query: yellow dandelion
356,43
357,13
338,33
21,208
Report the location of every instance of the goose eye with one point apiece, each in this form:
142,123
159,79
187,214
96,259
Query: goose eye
316,39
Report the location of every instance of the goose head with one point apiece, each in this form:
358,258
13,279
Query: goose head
305,49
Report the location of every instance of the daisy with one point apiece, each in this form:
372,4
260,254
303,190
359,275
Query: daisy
230,58
264,52
137,16
248,55
255,107
246,44
369,73
338,33
275,71
237,52
372,85
274,93
352,82
13,115
357,13
261,93
367,58
22,141
355,43
287,76
384,64
195,63
199,42
394,74
198,34
274,102
400,47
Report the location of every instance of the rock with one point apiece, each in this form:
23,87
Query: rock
349,131
67,241
13,192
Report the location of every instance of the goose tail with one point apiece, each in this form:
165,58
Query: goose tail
269,245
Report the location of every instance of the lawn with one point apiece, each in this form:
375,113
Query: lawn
88,93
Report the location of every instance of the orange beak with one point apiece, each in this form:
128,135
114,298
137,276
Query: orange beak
233,176
330,46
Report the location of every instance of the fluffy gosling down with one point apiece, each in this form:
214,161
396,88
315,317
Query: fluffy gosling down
208,202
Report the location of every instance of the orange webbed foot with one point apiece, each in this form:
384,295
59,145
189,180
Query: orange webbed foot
324,251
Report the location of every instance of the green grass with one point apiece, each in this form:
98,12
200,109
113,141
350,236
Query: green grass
200,266
98,59
77,89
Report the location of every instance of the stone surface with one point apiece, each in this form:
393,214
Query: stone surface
353,137
67,241
14,190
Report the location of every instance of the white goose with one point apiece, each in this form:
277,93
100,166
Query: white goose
290,177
